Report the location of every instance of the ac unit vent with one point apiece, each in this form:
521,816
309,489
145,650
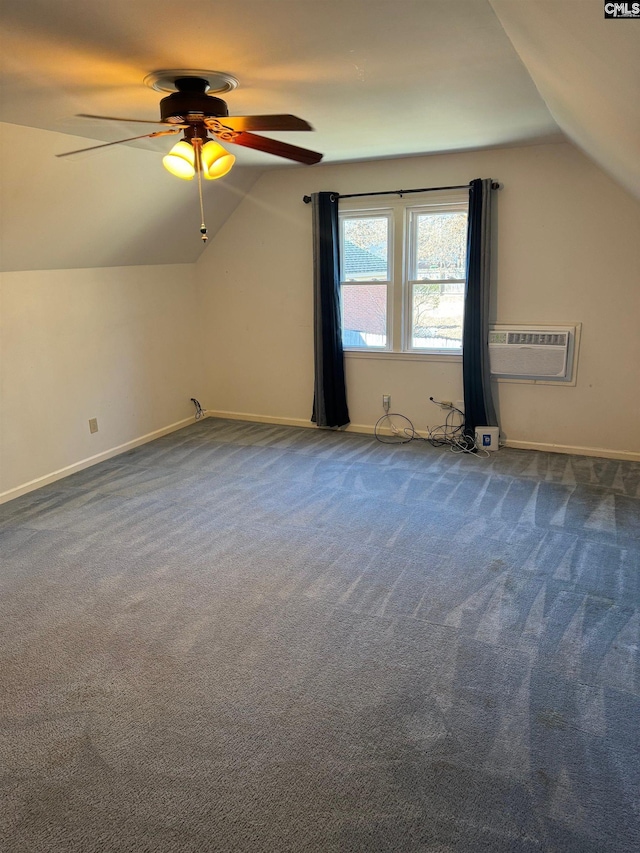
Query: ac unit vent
538,339
545,354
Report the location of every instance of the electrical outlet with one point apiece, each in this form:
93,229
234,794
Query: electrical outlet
386,402
93,425
446,404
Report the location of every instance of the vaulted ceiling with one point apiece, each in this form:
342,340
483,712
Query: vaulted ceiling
375,78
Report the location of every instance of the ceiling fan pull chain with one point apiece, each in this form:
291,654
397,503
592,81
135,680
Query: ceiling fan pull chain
198,152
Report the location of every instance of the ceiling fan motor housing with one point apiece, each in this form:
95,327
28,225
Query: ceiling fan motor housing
191,97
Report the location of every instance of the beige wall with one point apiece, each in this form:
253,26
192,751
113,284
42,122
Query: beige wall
115,343
568,252
131,345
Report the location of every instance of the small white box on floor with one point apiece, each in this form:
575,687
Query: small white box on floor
487,438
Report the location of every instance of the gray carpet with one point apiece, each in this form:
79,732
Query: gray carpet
253,638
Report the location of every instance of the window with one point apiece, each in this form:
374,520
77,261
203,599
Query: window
366,262
403,276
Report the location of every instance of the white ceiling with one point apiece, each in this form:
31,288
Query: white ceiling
375,78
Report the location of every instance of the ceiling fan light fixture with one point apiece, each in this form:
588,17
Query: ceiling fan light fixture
216,161
181,160
190,107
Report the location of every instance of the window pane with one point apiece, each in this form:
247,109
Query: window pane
364,315
364,248
437,313
441,246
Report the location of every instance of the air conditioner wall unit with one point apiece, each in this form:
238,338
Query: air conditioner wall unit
545,354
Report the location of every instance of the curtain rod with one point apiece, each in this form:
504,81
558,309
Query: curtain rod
494,186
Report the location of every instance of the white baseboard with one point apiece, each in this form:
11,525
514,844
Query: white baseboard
259,419
603,452
363,429
366,429
91,460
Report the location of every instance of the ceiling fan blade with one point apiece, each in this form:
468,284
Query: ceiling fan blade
268,122
120,141
136,120
272,146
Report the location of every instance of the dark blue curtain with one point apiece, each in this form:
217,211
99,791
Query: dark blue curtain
478,402
330,395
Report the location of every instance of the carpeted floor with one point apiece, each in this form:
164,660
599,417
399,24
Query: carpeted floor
252,638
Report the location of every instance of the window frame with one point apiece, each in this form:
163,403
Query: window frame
388,282
411,214
400,286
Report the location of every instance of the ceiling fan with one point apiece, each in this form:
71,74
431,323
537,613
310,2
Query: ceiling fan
204,119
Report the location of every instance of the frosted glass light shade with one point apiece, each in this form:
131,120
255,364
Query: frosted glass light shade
181,160
216,162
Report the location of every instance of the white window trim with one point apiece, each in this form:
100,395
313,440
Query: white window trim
409,267
447,356
399,333
387,212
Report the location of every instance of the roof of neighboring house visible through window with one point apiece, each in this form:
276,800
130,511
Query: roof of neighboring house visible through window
362,264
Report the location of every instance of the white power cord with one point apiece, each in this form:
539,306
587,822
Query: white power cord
449,434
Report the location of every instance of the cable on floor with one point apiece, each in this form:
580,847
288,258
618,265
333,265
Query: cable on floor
398,436
449,434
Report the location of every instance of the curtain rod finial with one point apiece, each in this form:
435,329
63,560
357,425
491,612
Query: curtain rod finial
306,199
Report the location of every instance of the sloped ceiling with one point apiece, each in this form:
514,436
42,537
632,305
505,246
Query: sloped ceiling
587,70
113,207
376,78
